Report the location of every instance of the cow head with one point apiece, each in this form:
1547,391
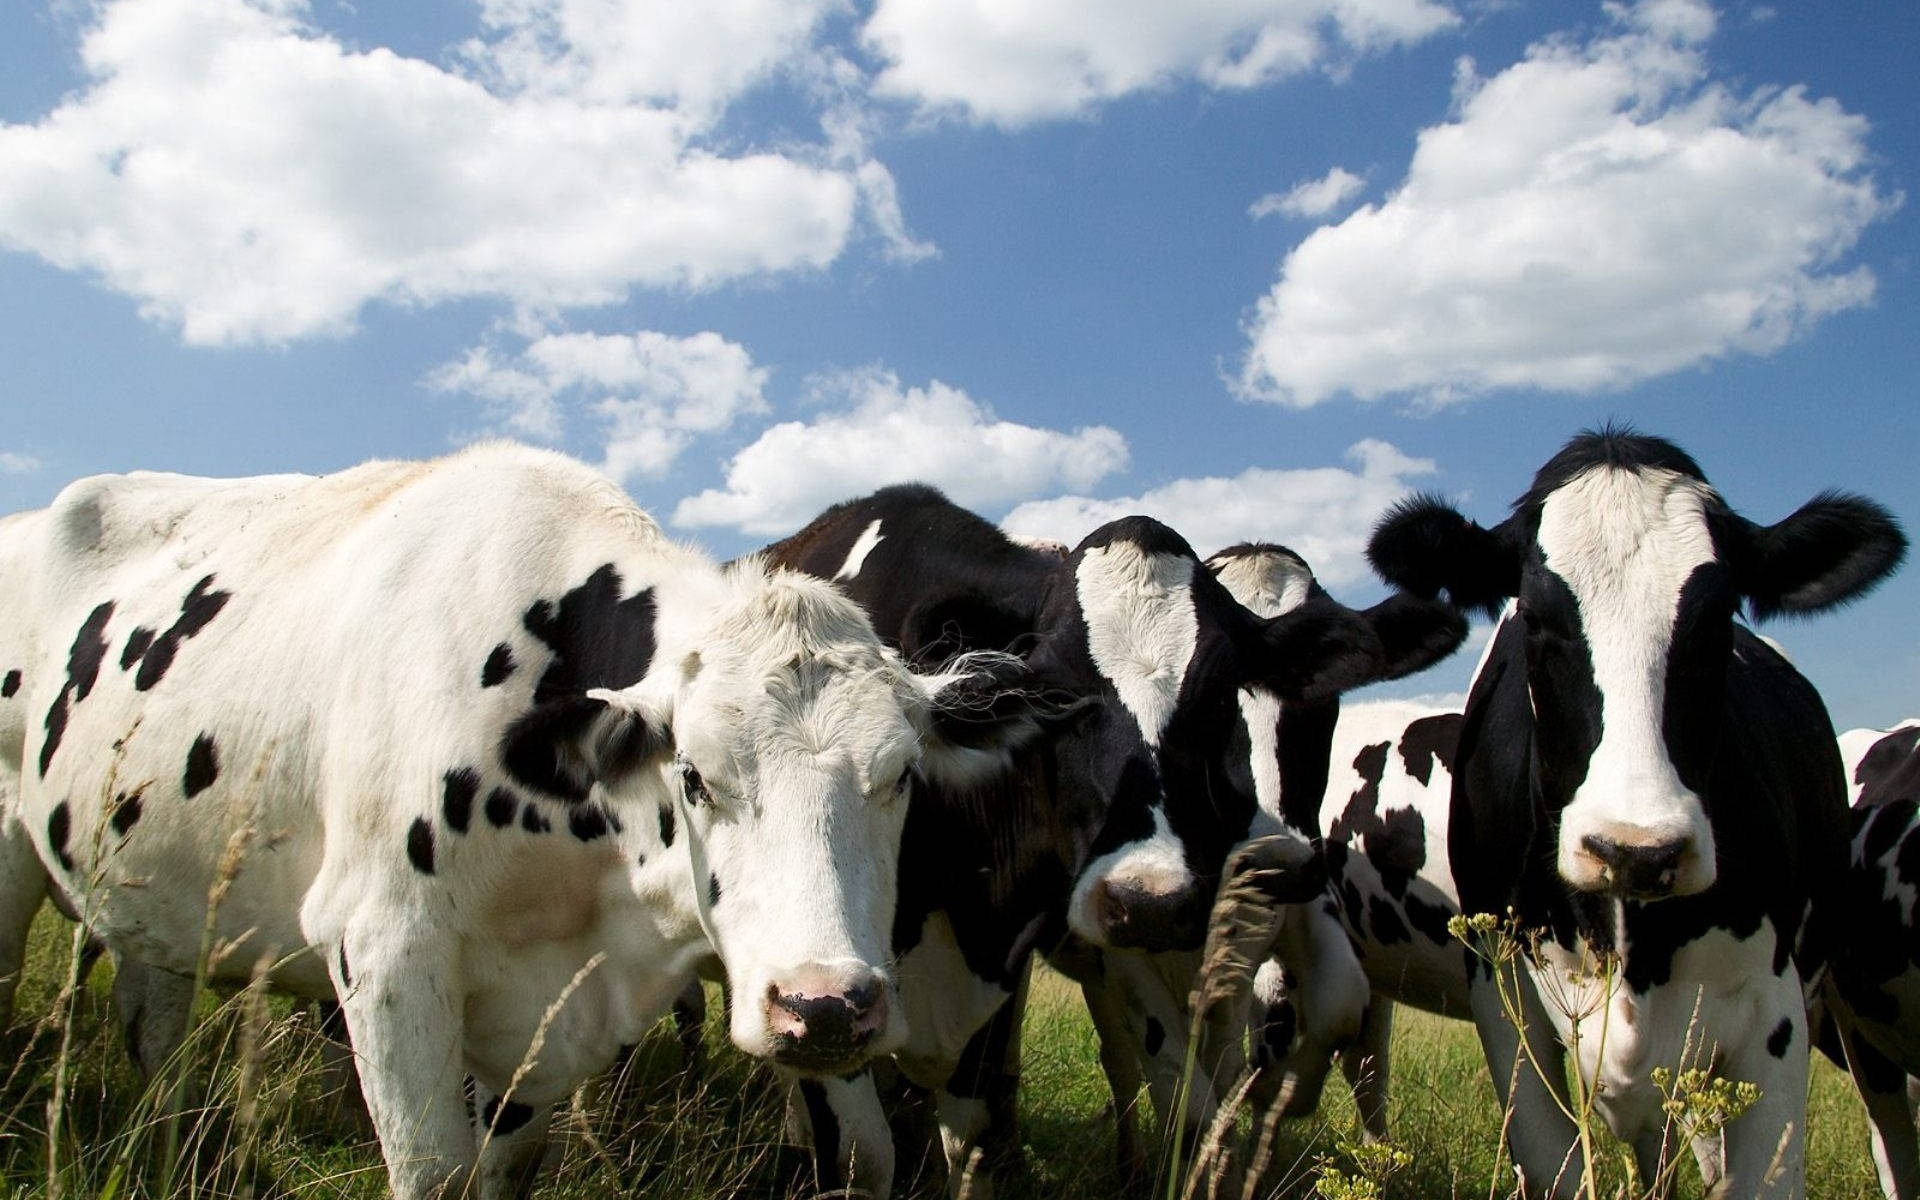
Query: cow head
778,738
1166,651
1624,571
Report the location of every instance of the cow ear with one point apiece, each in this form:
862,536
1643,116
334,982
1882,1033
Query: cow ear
982,709
1833,550
1414,633
1317,651
1424,546
565,746
935,631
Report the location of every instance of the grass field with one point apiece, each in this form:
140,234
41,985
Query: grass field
661,1131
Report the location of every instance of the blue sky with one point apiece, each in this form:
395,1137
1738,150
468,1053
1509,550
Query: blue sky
1257,267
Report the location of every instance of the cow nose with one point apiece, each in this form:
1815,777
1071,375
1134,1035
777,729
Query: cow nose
1135,918
1642,872
822,1027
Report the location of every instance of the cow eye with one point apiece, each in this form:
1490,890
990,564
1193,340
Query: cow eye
902,787
694,786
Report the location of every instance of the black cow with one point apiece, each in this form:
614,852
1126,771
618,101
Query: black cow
1876,968
1125,817
1651,787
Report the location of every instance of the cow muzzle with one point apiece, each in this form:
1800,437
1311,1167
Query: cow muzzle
1635,871
827,1021
1138,918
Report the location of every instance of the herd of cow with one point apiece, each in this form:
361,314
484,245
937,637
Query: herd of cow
448,743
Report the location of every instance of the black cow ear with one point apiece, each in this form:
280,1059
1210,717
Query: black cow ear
1834,549
982,709
1414,633
1424,546
564,747
935,631
1317,651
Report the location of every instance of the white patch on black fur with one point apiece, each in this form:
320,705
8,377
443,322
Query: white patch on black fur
862,546
1141,627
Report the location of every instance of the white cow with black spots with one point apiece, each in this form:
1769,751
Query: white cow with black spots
464,742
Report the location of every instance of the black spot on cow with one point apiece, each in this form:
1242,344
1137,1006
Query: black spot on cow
587,822
501,805
1428,919
200,606
138,643
1890,769
498,666
1906,861
203,766
1780,1038
420,845
666,825
346,975
1427,741
1885,826
1397,848
59,825
532,821
1361,810
505,1118
10,685
1277,1033
713,890
126,811
1156,1036
825,1128
1388,927
83,667
598,640
456,801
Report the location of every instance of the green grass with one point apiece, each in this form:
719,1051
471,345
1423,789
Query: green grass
660,1131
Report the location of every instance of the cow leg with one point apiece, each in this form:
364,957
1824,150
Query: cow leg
1120,1063
973,1106
1531,1088
1884,1089
155,1009
1365,1065
1764,1152
847,1130
404,1015
23,885
511,1139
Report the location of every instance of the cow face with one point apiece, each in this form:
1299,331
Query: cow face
1625,571
778,738
1170,651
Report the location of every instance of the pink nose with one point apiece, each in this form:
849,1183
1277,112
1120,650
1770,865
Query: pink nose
824,1026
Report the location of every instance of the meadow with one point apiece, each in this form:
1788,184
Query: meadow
76,1121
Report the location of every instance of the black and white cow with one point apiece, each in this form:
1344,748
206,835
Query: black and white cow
1118,831
1876,967
1650,786
454,741
1383,915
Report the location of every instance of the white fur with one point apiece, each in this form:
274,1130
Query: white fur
1625,541
341,681
862,546
1141,627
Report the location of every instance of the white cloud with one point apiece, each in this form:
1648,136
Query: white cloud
1314,198
1324,514
652,392
249,178
885,433
1595,215
12,462
1010,64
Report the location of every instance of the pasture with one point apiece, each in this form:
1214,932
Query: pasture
74,1120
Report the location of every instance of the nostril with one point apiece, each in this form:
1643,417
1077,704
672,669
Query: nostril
1638,870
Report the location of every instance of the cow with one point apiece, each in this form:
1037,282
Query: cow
1876,968
472,746
1650,791
1378,933
1118,825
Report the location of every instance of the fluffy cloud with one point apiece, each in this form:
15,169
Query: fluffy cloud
1010,64
1314,198
12,462
1595,215
249,178
653,393
1323,513
885,433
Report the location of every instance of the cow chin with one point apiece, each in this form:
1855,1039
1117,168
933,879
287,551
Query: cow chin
818,1019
